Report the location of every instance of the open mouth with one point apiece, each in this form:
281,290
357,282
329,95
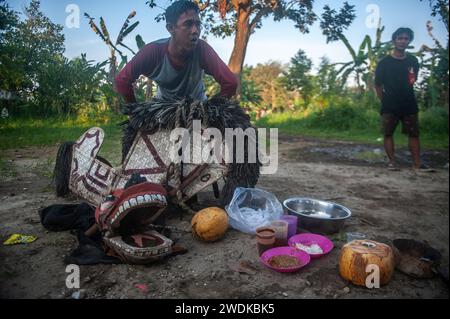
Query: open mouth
129,233
154,246
148,205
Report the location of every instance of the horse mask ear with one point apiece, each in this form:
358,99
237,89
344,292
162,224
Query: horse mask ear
77,164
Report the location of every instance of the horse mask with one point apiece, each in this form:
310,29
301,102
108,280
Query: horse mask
130,197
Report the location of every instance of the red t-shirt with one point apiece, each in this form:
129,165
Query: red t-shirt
174,80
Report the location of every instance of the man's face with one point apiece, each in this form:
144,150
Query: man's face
402,41
186,32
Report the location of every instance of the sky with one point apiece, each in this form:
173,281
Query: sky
277,41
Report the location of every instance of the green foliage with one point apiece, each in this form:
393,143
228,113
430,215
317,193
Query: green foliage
327,81
334,23
224,18
250,93
266,80
364,59
250,96
140,42
434,87
298,76
144,86
342,116
211,86
76,94
328,124
8,19
28,48
434,121
220,17
23,132
35,71
440,8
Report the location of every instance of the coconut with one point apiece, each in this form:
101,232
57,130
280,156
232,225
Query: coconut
210,224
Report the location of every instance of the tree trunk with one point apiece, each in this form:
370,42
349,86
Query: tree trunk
370,82
112,65
115,107
242,36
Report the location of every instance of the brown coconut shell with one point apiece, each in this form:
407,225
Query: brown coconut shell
358,254
210,224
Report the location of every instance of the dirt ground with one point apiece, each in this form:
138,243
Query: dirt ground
385,205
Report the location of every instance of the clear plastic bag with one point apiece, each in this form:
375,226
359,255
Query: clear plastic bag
251,208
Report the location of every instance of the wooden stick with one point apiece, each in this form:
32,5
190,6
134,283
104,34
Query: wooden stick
92,230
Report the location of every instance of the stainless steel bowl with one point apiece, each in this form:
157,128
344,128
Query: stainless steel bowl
317,216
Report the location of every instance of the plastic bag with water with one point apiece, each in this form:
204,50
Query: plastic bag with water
251,208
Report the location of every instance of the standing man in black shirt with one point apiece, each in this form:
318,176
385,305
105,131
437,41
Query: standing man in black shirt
394,79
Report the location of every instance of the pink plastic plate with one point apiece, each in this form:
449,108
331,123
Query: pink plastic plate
310,239
302,257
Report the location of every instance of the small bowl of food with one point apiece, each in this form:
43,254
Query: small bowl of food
314,245
285,259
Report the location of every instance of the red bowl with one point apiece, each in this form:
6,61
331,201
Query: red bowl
303,258
310,239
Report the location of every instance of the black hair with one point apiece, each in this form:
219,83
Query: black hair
176,9
135,179
399,31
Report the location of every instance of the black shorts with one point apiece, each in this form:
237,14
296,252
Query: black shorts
410,124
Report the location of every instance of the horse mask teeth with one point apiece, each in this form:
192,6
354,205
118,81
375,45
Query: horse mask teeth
125,217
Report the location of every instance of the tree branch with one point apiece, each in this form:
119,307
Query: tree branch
203,6
262,12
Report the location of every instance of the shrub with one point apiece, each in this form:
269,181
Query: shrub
342,116
434,121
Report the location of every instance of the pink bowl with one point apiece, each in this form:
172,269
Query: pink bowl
310,239
302,257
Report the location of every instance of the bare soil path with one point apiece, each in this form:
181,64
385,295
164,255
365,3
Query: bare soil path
385,205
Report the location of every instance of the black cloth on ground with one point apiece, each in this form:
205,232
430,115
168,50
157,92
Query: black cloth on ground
77,217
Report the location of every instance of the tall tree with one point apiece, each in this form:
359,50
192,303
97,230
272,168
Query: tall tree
242,18
33,68
440,8
28,49
329,84
298,77
10,72
267,78
441,52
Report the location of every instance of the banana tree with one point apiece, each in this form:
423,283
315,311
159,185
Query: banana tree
364,61
434,65
103,33
145,84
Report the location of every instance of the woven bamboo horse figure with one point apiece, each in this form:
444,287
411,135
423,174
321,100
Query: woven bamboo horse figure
132,196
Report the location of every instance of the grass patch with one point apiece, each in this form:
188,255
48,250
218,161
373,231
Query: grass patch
357,125
336,122
21,133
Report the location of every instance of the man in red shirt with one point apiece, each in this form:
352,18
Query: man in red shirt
177,64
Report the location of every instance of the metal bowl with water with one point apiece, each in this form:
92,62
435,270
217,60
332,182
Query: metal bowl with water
317,216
